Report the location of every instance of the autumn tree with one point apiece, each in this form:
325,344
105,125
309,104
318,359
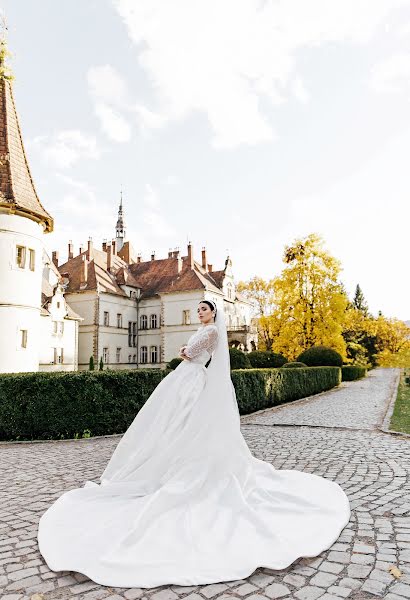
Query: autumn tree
309,303
359,302
261,294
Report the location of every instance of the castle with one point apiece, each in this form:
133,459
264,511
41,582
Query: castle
105,303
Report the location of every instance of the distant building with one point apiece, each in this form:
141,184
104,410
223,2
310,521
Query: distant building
139,313
29,304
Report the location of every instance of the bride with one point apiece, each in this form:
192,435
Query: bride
182,499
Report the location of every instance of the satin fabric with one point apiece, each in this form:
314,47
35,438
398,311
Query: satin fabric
183,501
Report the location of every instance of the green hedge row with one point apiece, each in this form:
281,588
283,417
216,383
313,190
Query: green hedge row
353,372
262,388
80,404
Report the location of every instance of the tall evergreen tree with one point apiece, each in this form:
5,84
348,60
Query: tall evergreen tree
359,301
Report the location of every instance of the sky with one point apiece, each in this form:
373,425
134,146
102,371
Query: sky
238,125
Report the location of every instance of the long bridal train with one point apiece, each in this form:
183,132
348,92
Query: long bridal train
182,499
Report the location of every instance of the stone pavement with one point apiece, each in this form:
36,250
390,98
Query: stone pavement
335,435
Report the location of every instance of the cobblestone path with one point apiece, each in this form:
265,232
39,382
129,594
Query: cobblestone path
334,435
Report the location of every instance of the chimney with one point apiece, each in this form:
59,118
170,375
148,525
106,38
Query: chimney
89,248
190,256
210,268
170,253
153,255
204,263
109,259
81,249
175,253
70,250
114,248
104,245
139,259
180,263
54,258
84,270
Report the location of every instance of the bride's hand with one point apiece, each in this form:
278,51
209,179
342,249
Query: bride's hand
182,354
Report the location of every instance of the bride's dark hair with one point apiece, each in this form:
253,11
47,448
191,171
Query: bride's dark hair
211,305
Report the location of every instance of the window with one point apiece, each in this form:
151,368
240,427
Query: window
21,256
61,326
132,334
106,318
32,260
143,322
186,317
154,354
58,304
58,356
119,320
55,325
129,358
23,338
105,355
144,354
118,355
153,321
134,358
230,291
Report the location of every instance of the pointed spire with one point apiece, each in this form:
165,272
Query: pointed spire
120,227
17,192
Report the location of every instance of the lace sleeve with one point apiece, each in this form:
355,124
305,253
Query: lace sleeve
206,340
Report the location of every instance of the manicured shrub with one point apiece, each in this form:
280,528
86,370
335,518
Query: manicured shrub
353,372
91,364
174,362
294,365
320,356
261,388
239,360
265,359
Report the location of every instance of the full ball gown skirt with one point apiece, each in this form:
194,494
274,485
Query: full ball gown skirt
179,503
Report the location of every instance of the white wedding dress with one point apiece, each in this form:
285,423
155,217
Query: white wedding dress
182,499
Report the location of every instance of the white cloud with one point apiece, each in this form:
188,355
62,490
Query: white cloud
64,149
107,85
220,58
392,74
148,119
153,216
113,123
299,91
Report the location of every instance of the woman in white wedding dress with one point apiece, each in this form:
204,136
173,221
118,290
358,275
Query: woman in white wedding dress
182,499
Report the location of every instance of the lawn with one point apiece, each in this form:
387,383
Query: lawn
400,420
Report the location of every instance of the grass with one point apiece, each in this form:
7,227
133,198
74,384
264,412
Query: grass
400,420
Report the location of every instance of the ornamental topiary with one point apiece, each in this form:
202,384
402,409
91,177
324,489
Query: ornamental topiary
266,359
294,365
320,356
239,360
174,362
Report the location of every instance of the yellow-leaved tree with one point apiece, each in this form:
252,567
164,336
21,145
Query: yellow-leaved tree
309,301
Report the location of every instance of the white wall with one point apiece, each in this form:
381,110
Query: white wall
20,294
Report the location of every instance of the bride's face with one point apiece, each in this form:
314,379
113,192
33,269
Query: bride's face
205,313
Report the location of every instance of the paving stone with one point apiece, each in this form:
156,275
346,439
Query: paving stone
339,590
261,579
134,593
331,567
276,590
210,591
170,595
358,571
309,592
374,587
296,580
245,589
323,579
401,589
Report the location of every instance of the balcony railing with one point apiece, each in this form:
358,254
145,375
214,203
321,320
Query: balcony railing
242,328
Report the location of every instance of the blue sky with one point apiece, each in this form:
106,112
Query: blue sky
239,125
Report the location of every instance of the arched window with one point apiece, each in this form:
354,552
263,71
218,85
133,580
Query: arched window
153,321
143,322
144,354
134,358
154,354
129,358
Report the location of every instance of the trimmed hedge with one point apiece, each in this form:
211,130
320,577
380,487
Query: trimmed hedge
353,372
266,360
174,362
320,356
67,405
294,365
238,359
262,388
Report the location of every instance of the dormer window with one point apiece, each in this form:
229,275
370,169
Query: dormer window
230,291
32,259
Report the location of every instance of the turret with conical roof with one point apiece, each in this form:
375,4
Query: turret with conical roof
23,222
